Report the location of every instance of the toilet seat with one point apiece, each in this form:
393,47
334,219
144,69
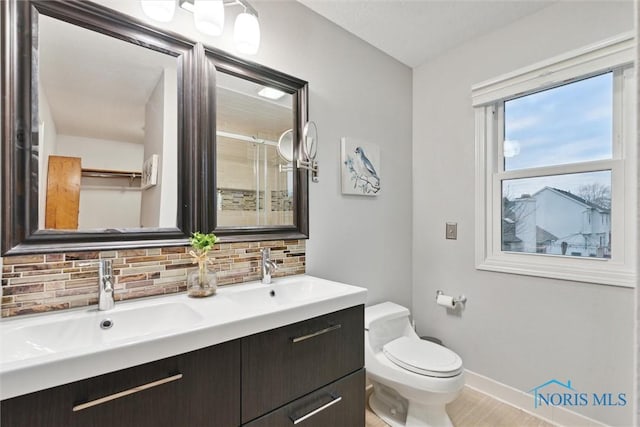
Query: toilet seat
423,357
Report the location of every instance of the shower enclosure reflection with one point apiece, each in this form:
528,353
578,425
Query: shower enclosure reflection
254,183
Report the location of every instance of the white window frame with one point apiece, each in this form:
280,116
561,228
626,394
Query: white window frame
488,98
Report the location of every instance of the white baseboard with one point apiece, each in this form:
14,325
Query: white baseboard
556,415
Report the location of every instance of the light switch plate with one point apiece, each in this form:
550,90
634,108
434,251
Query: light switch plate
452,231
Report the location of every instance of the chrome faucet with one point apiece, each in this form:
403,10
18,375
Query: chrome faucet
267,266
105,283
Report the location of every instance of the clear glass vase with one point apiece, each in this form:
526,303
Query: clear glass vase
202,282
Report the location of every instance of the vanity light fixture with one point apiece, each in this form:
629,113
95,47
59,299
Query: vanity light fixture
159,10
186,5
246,33
208,17
271,93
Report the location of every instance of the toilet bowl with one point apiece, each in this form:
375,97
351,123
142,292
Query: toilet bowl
412,379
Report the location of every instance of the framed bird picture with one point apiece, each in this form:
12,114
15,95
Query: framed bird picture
360,166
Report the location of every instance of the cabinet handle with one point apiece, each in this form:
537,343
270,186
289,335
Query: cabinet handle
315,334
315,411
120,394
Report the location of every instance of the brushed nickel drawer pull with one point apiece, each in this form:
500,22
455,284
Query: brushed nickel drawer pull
315,411
120,394
315,334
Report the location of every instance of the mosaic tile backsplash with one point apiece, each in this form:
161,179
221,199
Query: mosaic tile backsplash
47,282
240,200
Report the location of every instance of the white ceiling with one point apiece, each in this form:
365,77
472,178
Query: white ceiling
415,31
96,86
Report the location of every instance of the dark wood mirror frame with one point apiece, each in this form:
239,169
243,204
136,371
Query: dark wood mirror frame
221,62
196,133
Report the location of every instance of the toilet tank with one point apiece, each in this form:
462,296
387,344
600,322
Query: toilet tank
385,322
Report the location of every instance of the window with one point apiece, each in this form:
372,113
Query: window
555,172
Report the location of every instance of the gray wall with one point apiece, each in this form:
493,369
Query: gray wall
637,322
357,91
518,330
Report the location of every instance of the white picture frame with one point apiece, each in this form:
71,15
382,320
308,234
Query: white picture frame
149,172
360,167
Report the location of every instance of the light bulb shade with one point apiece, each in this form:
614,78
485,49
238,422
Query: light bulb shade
246,33
208,16
159,10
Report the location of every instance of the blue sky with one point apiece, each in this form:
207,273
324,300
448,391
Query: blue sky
567,124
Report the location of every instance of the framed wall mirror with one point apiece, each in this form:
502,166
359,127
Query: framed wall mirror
258,193
99,138
110,137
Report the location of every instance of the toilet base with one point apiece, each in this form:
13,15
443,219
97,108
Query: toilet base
389,406
427,416
397,412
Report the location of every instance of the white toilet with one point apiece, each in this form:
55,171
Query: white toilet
413,379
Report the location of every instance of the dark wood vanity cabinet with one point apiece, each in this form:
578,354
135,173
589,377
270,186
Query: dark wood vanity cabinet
202,388
340,404
310,372
283,364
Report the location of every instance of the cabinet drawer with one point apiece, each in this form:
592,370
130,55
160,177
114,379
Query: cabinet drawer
177,391
280,365
340,404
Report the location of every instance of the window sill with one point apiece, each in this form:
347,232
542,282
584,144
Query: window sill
599,271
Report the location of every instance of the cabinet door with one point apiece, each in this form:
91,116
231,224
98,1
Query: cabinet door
283,364
340,404
200,388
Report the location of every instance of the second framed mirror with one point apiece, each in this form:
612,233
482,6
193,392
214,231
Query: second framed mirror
257,193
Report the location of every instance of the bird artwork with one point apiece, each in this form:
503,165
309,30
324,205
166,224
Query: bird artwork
360,172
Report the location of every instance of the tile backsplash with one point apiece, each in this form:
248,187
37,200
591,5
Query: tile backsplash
47,282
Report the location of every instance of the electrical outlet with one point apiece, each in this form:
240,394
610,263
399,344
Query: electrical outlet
452,231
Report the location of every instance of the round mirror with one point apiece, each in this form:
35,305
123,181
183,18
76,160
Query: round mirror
310,140
285,145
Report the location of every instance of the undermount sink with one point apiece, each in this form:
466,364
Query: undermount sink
45,350
92,328
295,290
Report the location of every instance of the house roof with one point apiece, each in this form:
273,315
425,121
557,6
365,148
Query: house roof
509,233
543,236
577,199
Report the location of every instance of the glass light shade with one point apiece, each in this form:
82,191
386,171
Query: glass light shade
159,10
208,16
246,33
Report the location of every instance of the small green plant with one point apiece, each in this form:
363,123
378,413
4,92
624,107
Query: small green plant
201,242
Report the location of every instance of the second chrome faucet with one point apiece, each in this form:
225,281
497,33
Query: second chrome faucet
268,265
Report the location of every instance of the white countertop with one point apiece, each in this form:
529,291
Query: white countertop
46,350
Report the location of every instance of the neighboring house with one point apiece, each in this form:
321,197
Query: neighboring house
510,242
555,221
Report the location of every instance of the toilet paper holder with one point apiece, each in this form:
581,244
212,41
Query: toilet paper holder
456,300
